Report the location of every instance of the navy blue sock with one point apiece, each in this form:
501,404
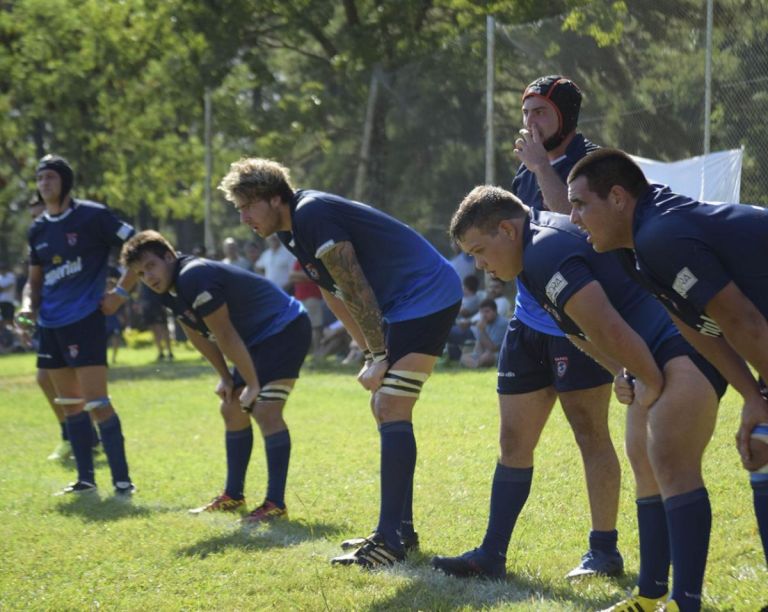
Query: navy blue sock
64,434
79,432
114,448
239,445
509,493
278,447
760,499
689,519
398,462
653,578
406,522
605,541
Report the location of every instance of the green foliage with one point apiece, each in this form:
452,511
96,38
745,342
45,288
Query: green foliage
63,553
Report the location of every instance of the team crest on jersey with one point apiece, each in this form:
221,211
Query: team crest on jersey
74,350
312,272
561,366
684,281
56,260
71,239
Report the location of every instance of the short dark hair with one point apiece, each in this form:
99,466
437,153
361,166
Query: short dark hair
484,208
489,303
148,241
605,168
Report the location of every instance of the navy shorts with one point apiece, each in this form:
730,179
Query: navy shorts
425,335
280,356
677,346
530,360
79,344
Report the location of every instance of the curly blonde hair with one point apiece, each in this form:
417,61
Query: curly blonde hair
253,177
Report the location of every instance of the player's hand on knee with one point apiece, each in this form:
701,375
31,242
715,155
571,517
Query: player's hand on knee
624,387
372,376
225,389
648,391
248,397
754,412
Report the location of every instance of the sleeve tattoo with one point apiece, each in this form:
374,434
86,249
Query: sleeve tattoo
356,292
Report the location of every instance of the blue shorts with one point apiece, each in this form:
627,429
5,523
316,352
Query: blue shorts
677,346
530,360
280,356
425,335
79,344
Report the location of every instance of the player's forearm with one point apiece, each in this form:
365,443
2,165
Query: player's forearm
720,354
620,343
357,294
234,349
553,191
748,335
209,350
613,366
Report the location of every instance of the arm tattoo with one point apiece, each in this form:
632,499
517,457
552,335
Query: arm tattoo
356,292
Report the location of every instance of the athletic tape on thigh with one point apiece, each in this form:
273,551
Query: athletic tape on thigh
101,402
67,401
273,393
403,383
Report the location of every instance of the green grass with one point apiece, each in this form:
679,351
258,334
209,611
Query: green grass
73,554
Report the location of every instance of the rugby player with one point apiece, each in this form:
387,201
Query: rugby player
396,296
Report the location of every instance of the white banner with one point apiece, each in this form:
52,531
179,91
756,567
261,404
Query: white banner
711,178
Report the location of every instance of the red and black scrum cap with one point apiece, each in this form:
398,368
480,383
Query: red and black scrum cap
563,94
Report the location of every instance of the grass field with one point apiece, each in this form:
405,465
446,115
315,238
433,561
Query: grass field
88,553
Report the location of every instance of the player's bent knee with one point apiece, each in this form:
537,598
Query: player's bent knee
403,383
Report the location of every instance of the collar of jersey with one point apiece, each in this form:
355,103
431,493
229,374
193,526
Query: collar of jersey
63,215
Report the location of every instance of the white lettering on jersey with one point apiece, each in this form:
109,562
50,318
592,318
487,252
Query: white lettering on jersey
201,299
684,281
68,268
324,248
555,286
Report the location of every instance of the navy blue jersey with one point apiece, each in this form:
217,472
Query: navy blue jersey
409,278
558,262
73,250
688,251
257,307
526,187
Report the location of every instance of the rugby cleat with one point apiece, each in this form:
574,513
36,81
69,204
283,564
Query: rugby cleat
638,603
372,554
62,452
221,503
79,487
472,564
125,489
410,542
268,511
598,563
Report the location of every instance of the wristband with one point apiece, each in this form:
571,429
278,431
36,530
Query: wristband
121,292
379,357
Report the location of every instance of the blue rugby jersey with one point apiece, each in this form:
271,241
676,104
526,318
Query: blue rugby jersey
687,251
409,278
526,187
73,250
257,307
558,262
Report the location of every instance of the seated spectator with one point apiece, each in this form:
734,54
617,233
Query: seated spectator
495,290
460,333
489,333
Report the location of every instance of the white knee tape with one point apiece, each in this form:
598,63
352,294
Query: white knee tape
102,402
68,401
273,393
403,383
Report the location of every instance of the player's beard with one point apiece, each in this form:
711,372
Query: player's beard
553,141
